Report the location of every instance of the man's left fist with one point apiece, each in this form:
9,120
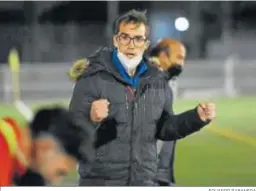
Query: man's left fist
206,111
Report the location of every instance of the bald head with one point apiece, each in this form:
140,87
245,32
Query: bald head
170,54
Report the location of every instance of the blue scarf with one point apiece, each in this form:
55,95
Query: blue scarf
133,81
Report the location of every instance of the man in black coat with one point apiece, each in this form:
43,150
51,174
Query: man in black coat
122,92
169,56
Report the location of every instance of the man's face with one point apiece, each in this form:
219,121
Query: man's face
52,162
177,54
131,39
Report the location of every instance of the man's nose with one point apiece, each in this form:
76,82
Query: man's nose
131,44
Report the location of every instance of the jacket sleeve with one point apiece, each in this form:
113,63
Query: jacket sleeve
84,93
172,127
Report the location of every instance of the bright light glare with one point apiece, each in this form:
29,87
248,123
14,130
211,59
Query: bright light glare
181,24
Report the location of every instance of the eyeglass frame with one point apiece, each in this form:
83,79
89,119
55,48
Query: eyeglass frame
132,39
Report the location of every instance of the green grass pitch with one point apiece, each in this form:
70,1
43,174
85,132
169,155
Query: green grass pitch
226,157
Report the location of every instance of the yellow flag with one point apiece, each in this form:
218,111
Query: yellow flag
14,65
14,60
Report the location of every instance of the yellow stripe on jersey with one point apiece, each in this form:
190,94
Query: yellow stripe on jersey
7,131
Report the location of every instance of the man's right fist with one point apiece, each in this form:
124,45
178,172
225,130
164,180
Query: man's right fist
99,110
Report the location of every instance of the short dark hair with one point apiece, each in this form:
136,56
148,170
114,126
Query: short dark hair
132,16
58,122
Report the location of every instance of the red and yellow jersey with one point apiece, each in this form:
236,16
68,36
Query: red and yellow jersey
12,160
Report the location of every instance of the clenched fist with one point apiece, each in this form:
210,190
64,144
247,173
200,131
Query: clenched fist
206,111
99,110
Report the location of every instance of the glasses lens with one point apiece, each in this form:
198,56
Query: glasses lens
138,41
124,39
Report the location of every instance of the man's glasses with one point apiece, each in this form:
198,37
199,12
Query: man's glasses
138,41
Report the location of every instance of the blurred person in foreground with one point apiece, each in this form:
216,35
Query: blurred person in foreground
169,56
43,153
122,90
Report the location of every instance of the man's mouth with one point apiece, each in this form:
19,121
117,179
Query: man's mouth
130,55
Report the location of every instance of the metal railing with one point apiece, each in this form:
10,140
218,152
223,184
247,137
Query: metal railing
203,79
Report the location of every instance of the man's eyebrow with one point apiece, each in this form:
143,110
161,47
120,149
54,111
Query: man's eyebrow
139,36
124,33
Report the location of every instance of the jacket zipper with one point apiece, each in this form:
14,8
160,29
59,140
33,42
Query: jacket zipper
133,105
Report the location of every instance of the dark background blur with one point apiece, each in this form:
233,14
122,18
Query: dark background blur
61,31
220,40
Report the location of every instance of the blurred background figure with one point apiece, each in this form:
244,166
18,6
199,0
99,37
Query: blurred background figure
44,152
220,65
169,55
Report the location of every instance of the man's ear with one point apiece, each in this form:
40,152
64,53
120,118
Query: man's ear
115,43
147,44
164,61
162,56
